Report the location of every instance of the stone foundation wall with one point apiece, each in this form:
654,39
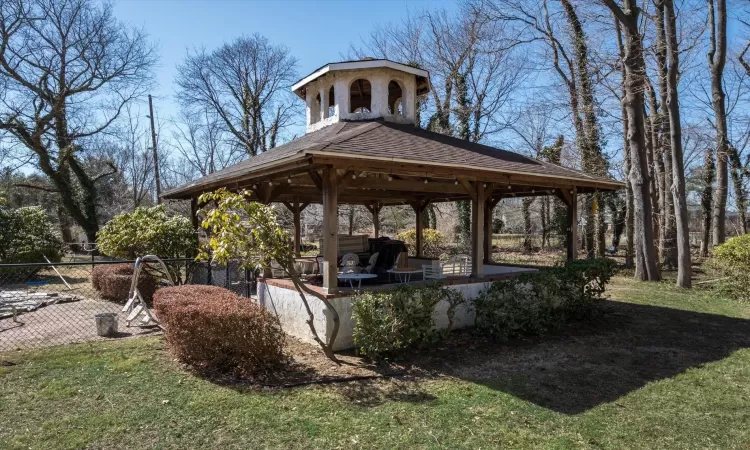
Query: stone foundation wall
287,305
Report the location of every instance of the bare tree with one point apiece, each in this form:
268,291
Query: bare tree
67,69
246,84
677,184
717,56
635,84
202,145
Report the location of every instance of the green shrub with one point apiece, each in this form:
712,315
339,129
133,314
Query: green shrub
433,242
147,231
532,303
26,236
390,322
214,330
732,259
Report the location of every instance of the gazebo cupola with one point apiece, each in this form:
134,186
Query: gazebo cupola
362,90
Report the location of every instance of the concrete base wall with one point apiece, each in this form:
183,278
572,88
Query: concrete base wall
287,305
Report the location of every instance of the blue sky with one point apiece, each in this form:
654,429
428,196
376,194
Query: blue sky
316,32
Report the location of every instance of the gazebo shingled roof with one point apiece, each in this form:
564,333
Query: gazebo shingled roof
376,145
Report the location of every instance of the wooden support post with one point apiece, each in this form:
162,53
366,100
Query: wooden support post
330,231
297,213
420,229
374,209
477,230
573,226
194,213
490,206
419,207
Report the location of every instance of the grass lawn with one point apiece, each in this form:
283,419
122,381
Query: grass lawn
661,368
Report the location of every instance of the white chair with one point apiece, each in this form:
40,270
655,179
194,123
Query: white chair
350,263
371,263
459,265
433,272
277,271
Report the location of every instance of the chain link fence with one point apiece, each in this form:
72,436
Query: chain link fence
56,303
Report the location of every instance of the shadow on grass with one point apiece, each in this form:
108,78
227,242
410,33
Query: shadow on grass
570,370
588,364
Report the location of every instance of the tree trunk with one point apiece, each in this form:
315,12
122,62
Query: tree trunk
716,61
740,195
629,205
591,154
667,238
684,265
709,172
635,70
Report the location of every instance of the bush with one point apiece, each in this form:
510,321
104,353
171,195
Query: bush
732,259
433,242
113,282
387,323
214,330
26,236
147,231
533,303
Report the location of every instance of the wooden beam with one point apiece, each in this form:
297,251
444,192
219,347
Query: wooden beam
469,188
315,176
564,195
474,174
572,219
477,231
330,231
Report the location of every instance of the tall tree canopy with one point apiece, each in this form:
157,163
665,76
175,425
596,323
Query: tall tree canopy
67,70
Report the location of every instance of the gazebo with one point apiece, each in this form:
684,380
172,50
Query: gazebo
363,146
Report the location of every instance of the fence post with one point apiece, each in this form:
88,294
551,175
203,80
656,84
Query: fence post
210,277
227,284
247,283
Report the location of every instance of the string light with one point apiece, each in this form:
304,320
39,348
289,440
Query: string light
289,180
390,178
456,182
255,186
508,185
425,181
354,176
270,183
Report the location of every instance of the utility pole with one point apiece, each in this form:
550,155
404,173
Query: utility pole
153,148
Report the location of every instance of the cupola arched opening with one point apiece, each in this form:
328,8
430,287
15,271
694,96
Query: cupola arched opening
360,96
331,102
316,112
395,99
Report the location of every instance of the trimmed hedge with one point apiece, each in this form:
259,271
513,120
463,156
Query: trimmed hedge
214,330
113,282
533,303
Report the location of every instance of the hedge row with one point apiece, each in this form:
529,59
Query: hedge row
214,330
533,303
113,282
